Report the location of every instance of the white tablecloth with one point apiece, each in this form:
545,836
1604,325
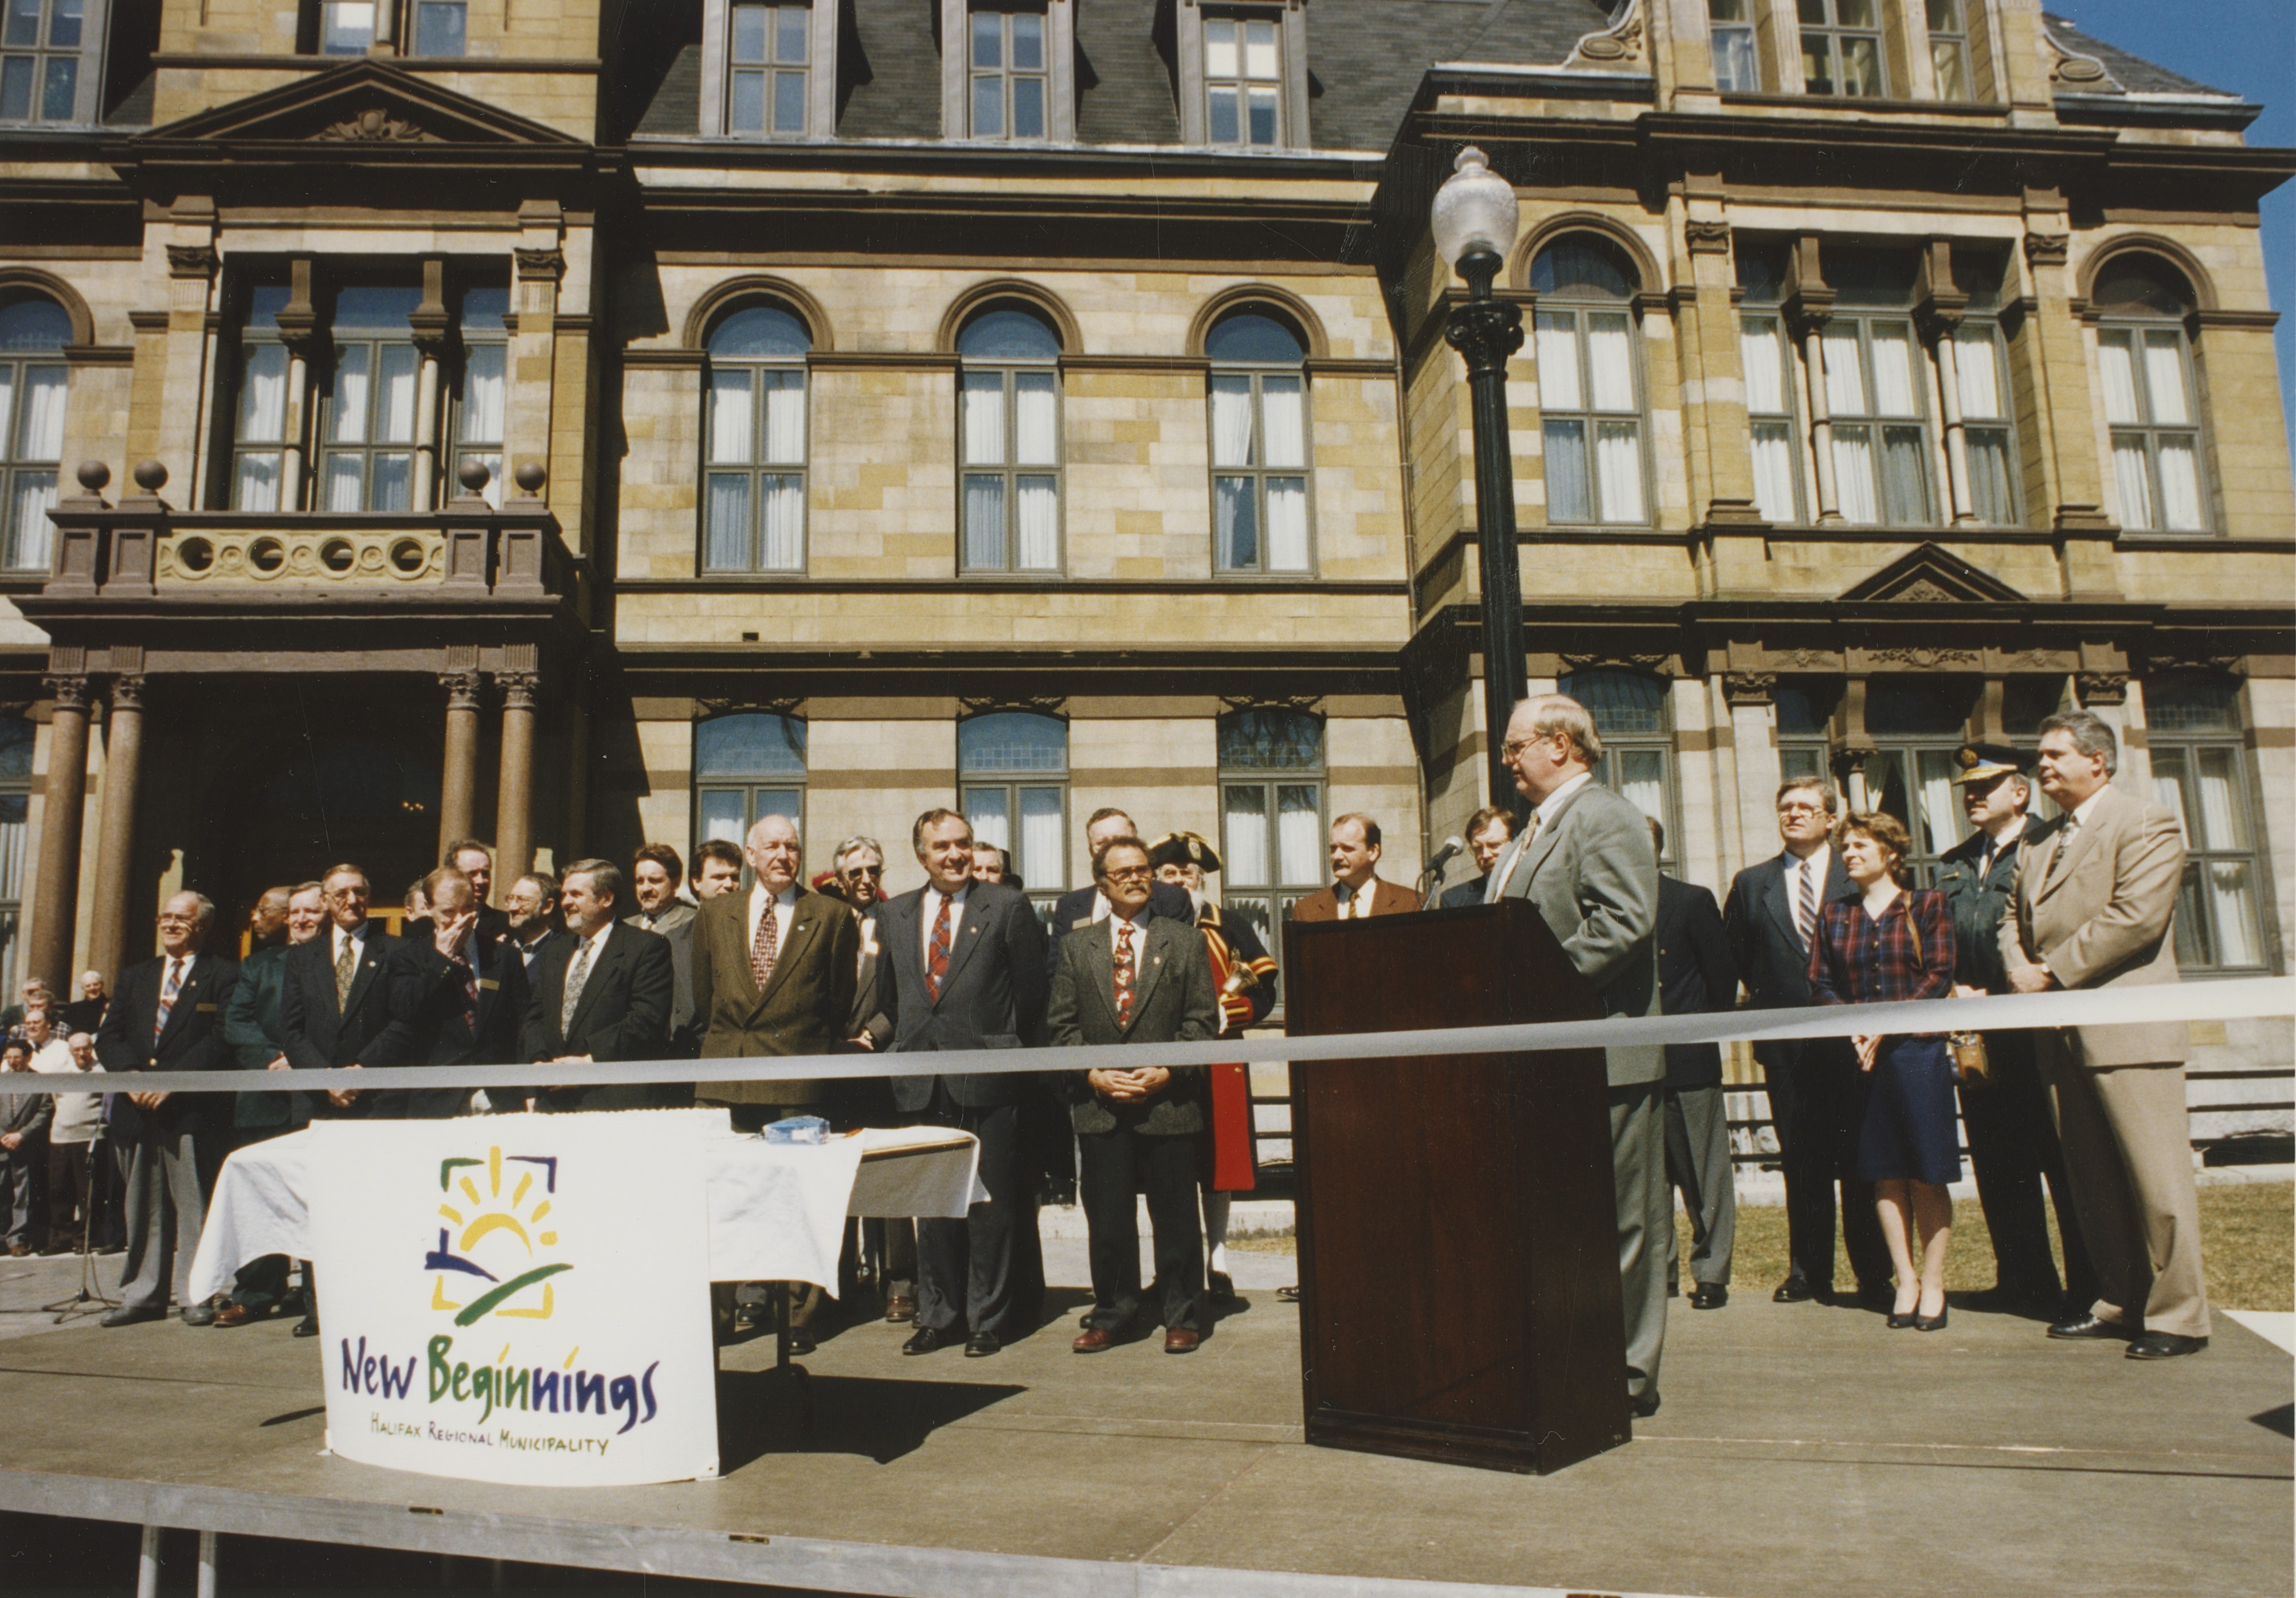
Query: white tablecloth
777,1211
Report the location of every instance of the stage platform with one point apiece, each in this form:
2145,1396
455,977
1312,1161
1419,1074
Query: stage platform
1800,1449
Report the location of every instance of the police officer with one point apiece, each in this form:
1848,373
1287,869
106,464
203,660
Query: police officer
2013,1139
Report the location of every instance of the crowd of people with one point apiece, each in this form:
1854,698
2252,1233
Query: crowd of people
663,960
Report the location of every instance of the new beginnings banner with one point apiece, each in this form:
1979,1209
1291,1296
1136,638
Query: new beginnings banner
518,1298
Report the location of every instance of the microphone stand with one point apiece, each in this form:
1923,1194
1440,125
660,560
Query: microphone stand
90,1297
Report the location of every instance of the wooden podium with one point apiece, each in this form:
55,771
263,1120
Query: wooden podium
1457,1230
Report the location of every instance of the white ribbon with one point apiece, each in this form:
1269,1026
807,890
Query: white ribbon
2240,999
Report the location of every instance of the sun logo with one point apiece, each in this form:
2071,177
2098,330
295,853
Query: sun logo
499,1225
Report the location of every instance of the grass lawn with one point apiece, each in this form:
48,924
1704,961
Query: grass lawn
2248,1241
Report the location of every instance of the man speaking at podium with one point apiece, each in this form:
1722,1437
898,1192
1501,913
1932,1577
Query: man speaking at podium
1586,861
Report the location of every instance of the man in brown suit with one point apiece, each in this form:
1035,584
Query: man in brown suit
2095,899
774,973
1358,889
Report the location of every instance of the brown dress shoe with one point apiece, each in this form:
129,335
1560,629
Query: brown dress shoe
238,1314
1179,1339
1095,1338
900,1309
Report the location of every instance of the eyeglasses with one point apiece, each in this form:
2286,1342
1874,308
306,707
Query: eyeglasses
1130,873
179,921
1797,811
863,871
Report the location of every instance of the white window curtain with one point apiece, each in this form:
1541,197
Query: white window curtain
1853,470
722,816
1991,494
1042,863
984,418
255,486
1610,362
990,812
1232,422
353,372
984,521
43,435
1895,365
483,391
29,529
2180,486
1845,372
2164,379
1759,354
1941,819
1641,779
1569,494
1774,471
1558,364
1300,833
402,366
1040,524
784,407
1618,461
2116,366
2132,480
1285,414
1247,859
783,545
346,483
1977,369
1287,524
1036,440
727,532
732,416
1236,521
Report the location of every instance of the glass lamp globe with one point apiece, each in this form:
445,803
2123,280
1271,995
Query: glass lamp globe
1474,210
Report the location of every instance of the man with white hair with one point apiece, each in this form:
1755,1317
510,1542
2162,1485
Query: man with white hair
168,1016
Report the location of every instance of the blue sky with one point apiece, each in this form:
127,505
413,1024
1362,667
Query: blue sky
2247,47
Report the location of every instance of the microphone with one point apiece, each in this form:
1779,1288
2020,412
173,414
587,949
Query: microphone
1451,846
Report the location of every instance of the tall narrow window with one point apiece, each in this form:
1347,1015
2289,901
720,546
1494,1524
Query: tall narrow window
441,27
480,409
2151,403
2200,770
41,45
16,739
767,56
745,766
346,27
1876,374
1982,386
1730,27
1841,47
1634,714
754,514
260,441
1012,82
1012,772
1273,844
1767,356
1916,725
1950,48
1589,384
1805,710
367,448
33,333
1011,424
1259,444
1243,81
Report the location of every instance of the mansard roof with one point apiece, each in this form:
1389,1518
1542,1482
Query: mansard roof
2127,73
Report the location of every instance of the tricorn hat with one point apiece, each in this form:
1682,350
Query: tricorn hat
1985,764
1184,849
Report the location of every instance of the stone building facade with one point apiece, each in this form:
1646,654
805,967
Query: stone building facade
575,423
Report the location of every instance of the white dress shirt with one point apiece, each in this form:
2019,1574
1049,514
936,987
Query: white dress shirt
1496,888
784,908
1355,903
929,912
1139,925
77,1113
335,946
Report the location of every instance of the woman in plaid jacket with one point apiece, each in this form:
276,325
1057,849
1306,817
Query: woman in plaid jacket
1890,944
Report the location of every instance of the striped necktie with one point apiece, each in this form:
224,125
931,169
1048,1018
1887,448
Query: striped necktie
578,972
169,989
1806,908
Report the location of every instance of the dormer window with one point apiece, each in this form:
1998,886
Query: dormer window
1244,76
1950,48
769,72
1731,31
346,27
48,53
1841,49
1011,75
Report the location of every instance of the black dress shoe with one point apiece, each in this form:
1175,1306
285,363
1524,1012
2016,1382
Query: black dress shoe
130,1315
2080,1327
1793,1290
1219,1287
925,1339
1645,1406
2165,1345
199,1314
308,1326
1708,1295
1932,1323
980,1345
1901,1320
801,1343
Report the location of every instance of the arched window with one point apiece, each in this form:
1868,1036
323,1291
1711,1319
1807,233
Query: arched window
1260,442
1013,775
1273,844
1589,382
2151,402
747,765
1634,714
33,333
1010,395
16,739
2201,771
754,518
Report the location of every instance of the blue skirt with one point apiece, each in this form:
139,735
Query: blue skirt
1909,1132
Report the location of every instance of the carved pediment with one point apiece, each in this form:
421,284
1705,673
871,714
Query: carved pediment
365,102
1929,575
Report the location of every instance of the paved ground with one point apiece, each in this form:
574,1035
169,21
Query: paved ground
1800,1449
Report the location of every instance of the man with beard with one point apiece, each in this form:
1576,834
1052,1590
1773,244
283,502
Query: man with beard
655,873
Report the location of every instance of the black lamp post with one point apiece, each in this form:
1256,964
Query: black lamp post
1474,222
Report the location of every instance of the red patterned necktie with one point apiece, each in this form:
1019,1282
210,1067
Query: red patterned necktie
765,947
1124,974
469,980
168,992
936,954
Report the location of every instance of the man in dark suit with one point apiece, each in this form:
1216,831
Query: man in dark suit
532,916
773,971
655,873
603,994
2013,1140
1489,829
1081,907
963,967
476,861
1141,979
168,1016
1816,1092
1358,889
253,1030
1586,864
889,1242
466,998
1696,978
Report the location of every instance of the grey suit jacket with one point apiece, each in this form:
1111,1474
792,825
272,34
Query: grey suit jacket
1593,874
686,1021
2101,917
1174,1000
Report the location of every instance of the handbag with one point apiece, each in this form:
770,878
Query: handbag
1965,1050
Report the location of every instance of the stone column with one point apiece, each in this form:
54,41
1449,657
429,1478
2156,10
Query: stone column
515,811
115,842
458,777
56,894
